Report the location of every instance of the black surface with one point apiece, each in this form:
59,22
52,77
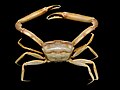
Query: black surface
57,74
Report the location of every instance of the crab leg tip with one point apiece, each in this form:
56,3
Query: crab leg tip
20,39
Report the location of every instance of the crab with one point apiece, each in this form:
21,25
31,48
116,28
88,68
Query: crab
58,50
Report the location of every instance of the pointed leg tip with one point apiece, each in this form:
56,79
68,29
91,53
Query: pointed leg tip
26,80
90,82
17,64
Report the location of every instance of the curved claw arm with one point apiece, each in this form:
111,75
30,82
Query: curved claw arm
31,16
76,17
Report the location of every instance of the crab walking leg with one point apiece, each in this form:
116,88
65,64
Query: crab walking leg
84,47
85,44
96,55
94,67
76,17
84,62
28,48
31,54
31,16
33,62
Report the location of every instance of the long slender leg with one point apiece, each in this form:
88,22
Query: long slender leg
33,62
85,44
76,17
84,47
31,16
81,49
84,62
96,55
28,48
31,54
94,67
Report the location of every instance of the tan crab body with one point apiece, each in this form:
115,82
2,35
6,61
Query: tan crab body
58,50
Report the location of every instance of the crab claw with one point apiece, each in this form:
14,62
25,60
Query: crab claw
73,16
52,7
76,17
38,13
57,15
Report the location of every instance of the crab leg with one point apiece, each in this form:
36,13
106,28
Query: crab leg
80,49
84,62
31,54
19,43
31,16
33,62
76,17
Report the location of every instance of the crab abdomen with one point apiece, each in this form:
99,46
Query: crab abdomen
58,50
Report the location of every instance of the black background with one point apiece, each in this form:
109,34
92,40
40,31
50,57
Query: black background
57,74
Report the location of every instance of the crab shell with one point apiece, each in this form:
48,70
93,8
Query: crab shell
58,50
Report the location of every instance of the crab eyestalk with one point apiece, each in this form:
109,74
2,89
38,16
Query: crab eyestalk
76,17
31,16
